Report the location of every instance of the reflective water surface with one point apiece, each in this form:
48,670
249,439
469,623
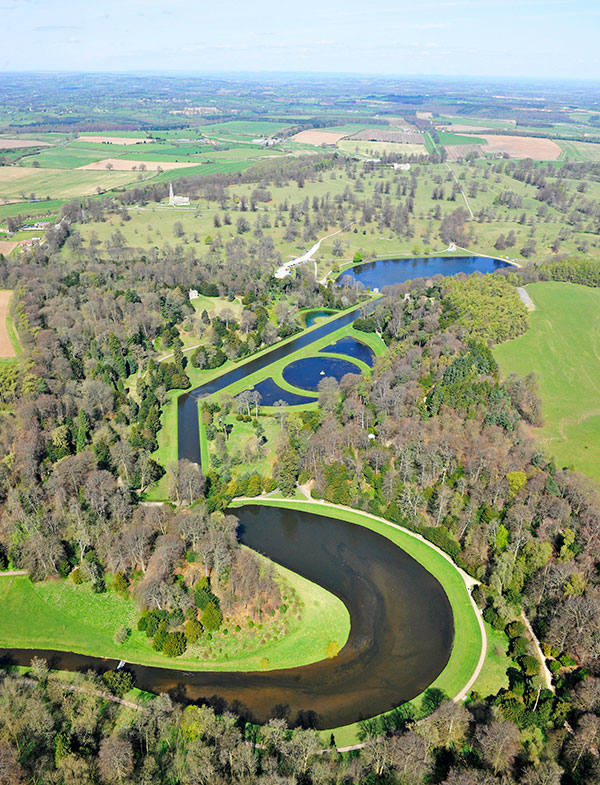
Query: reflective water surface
401,634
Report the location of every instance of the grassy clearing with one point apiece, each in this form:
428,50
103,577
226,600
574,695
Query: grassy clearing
467,645
66,617
493,675
562,347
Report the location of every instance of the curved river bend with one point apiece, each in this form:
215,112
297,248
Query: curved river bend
401,634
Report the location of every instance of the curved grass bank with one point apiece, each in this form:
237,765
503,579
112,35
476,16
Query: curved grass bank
59,615
470,644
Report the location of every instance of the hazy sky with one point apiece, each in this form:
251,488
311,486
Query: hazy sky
536,38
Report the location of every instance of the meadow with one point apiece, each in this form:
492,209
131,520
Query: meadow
562,348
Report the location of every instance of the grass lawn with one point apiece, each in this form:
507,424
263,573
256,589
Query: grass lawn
493,675
467,645
562,347
59,615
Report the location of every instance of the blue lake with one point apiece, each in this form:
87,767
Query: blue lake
308,372
387,272
271,392
352,348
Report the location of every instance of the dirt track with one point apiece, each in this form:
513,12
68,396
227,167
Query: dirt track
6,347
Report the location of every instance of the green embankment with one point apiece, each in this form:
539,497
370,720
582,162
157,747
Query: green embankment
562,347
60,615
468,640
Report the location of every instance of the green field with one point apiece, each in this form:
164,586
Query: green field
468,641
66,617
562,347
579,151
16,181
243,129
450,139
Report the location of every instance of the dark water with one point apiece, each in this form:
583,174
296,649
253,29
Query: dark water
353,348
386,272
310,317
271,392
309,371
401,635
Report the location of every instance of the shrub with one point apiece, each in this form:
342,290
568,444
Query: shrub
76,576
175,644
120,583
118,682
121,635
193,630
211,617
519,646
160,636
530,665
515,628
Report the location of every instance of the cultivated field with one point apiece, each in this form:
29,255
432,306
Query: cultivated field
522,147
115,139
123,165
562,347
17,144
7,246
318,137
579,151
6,347
457,152
378,148
16,181
389,135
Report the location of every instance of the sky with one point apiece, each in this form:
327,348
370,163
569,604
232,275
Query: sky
489,38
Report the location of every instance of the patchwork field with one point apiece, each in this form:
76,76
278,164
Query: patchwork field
522,147
562,347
